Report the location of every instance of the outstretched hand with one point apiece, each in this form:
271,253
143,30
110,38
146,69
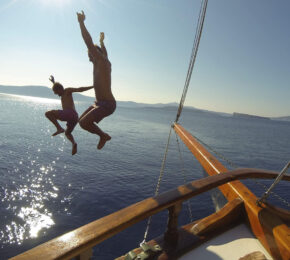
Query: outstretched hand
102,37
81,16
51,78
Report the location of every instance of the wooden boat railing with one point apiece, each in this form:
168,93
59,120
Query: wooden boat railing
266,226
81,241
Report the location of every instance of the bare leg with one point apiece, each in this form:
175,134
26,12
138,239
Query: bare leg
94,129
91,127
70,137
103,140
87,123
84,113
53,116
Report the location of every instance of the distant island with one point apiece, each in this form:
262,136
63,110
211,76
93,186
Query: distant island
282,118
46,92
247,116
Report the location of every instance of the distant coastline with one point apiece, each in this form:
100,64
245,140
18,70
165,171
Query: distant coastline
45,92
247,116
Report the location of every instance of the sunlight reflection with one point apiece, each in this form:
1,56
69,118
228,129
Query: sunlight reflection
35,220
67,236
27,205
35,99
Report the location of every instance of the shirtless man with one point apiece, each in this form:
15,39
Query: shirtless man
68,113
105,103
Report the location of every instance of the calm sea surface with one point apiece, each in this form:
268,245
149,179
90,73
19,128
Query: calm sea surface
46,192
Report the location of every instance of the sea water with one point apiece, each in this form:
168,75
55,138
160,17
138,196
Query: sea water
45,191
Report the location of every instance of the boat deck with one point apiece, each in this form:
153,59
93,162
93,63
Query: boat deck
233,244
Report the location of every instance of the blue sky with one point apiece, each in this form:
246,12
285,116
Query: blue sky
243,62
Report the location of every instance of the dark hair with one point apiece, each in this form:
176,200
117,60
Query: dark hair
57,86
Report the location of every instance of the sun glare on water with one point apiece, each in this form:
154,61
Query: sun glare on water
33,99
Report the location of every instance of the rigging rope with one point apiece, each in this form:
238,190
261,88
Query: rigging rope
201,17
276,181
187,81
159,181
184,178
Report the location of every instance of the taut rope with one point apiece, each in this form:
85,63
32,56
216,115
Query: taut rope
193,56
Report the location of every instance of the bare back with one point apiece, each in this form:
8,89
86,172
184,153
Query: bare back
102,79
67,100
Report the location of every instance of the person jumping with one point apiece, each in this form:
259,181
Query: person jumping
68,112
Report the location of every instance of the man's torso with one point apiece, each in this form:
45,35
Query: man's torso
102,79
67,101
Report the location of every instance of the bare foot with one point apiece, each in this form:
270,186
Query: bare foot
59,131
103,140
74,149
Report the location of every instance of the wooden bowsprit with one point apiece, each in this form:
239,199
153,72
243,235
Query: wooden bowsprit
268,227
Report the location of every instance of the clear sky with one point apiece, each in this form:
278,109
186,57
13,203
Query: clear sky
243,63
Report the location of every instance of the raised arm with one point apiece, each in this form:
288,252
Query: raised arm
86,35
104,50
81,89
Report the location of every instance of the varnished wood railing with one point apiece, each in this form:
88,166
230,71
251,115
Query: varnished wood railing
80,241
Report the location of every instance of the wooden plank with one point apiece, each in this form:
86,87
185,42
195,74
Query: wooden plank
272,232
75,242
